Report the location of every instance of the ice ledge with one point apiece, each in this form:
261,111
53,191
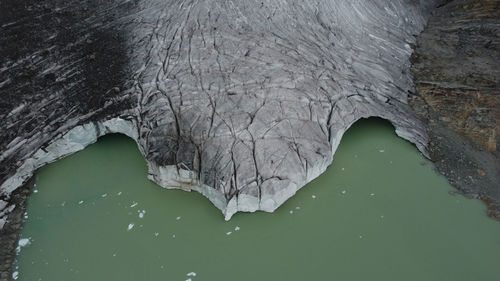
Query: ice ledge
273,193
170,177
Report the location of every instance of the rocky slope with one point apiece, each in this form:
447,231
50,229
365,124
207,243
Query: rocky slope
457,73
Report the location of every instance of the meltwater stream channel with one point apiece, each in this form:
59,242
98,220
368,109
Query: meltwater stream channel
380,212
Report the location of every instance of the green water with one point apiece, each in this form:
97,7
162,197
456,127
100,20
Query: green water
380,212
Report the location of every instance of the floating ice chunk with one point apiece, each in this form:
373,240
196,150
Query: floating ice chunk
193,274
344,192
173,235
80,202
297,208
381,150
156,234
141,213
114,255
63,203
314,196
342,169
228,233
24,242
134,204
130,226
15,275
291,211
104,195
372,194
189,279
236,228
178,218
35,190
119,193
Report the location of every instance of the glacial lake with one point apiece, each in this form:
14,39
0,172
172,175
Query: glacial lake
380,212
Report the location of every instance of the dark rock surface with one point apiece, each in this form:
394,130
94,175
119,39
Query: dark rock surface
9,234
456,65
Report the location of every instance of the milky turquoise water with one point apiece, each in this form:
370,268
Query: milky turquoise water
380,212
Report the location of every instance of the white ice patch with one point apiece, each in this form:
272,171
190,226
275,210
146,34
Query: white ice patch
104,195
344,192
189,279
130,226
178,218
193,274
291,211
24,242
372,194
15,275
228,233
313,197
119,193
35,191
236,228
134,204
381,150
80,202
141,213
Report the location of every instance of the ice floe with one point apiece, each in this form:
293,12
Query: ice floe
141,213
24,242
